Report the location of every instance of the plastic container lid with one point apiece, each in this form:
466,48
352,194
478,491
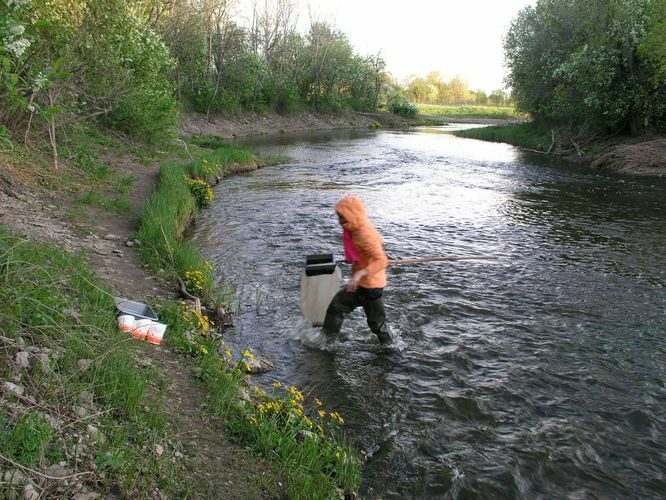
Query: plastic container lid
321,263
136,309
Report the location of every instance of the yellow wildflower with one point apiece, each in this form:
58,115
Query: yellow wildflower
337,417
298,395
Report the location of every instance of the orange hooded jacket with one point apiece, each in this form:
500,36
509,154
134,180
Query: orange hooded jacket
366,240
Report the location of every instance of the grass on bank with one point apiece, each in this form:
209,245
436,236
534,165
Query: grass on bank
300,436
95,168
72,391
526,135
241,156
469,111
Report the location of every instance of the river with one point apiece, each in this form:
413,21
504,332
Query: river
540,374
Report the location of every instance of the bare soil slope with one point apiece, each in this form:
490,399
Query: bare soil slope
643,158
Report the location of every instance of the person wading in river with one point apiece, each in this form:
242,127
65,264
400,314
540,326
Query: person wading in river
363,249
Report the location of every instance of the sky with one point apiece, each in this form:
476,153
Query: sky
415,37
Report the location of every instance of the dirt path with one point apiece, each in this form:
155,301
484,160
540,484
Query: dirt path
224,470
220,468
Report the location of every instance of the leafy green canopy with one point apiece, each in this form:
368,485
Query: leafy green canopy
230,71
82,59
128,63
580,63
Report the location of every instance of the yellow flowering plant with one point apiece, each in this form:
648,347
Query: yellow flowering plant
195,280
198,321
284,411
209,170
201,190
280,420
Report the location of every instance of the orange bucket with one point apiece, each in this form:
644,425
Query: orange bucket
141,327
125,323
156,333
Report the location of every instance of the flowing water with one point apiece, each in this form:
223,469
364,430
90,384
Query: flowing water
541,374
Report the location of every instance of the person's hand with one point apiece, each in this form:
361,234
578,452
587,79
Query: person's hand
352,286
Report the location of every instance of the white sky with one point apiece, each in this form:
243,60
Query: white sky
415,37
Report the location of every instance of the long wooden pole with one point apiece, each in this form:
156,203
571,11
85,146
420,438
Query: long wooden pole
395,262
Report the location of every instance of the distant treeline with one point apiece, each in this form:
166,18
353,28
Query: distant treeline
595,64
134,64
433,89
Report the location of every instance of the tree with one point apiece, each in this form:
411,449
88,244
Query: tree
459,90
498,98
421,90
480,97
576,62
653,51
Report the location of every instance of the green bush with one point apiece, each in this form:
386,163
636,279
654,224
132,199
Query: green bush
84,59
578,63
403,109
146,107
201,190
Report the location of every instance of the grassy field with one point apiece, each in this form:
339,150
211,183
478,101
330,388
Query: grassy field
465,111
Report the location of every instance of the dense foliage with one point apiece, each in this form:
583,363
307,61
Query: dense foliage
590,63
127,64
66,61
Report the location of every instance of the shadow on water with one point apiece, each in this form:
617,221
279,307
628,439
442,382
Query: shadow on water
540,374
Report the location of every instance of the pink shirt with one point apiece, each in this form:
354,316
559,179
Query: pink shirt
351,255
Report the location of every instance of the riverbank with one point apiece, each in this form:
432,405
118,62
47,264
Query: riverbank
229,127
175,448
93,208
642,155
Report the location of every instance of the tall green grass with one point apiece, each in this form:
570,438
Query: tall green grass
54,310
173,206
